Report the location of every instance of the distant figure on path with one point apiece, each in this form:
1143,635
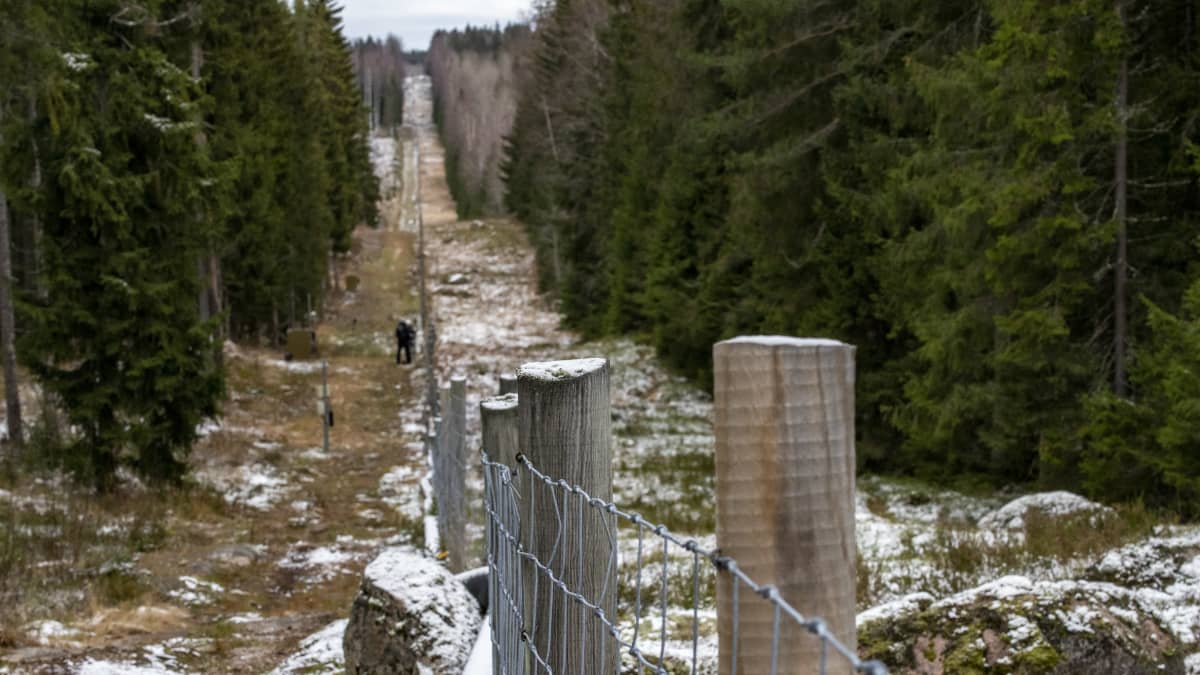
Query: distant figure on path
404,341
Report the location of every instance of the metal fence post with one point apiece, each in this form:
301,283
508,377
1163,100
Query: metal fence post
784,423
565,429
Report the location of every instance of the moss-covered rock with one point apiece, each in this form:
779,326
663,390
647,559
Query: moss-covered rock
1016,626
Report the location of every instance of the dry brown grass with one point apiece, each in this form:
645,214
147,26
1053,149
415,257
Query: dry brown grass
62,557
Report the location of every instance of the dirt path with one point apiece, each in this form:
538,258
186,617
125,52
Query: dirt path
268,547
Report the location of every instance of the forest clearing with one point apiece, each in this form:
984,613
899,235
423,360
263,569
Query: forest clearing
253,568
978,217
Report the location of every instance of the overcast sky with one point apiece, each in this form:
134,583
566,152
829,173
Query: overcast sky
416,20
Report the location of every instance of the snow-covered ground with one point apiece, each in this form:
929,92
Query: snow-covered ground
319,653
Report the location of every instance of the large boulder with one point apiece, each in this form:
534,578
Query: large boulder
1135,611
1011,516
410,616
1014,625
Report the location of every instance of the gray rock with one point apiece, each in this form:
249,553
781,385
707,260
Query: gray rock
1011,516
237,555
410,615
1014,625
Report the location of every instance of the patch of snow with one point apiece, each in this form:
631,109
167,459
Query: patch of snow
553,371
887,610
50,632
1011,516
196,592
91,667
250,617
399,488
320,652
207,427
319,563
315,454
480,661
306,367
500,403
783,341
1077,619
258,486
1191,568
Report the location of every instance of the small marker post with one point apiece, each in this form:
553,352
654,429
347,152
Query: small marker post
326,413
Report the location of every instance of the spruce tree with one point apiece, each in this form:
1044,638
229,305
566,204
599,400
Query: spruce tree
118,337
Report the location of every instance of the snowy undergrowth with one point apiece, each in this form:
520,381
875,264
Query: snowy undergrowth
319,653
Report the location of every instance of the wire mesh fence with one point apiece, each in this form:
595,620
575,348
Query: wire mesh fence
644,605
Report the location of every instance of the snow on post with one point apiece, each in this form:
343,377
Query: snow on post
565,430
784,424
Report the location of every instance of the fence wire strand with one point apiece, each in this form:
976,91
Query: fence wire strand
519,579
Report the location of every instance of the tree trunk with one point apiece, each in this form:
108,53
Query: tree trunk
203,266
12,398
1120,330
36,274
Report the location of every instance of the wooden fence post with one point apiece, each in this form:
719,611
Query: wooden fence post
498,418
565,429
498,422
784,423
508,384
452,522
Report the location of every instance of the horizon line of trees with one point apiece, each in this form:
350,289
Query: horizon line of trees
997,201
175,173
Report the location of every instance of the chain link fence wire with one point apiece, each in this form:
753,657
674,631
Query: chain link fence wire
639,627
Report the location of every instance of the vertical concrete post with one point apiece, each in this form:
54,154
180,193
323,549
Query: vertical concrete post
565,431
784,423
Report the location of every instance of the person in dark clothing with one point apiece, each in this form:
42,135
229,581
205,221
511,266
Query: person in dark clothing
404,341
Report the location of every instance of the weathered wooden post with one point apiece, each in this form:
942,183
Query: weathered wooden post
326,412
784,414
508,384
452,479
498,419
498,422
565,430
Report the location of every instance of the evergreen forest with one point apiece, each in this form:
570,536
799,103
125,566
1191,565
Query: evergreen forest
175,173
995,200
